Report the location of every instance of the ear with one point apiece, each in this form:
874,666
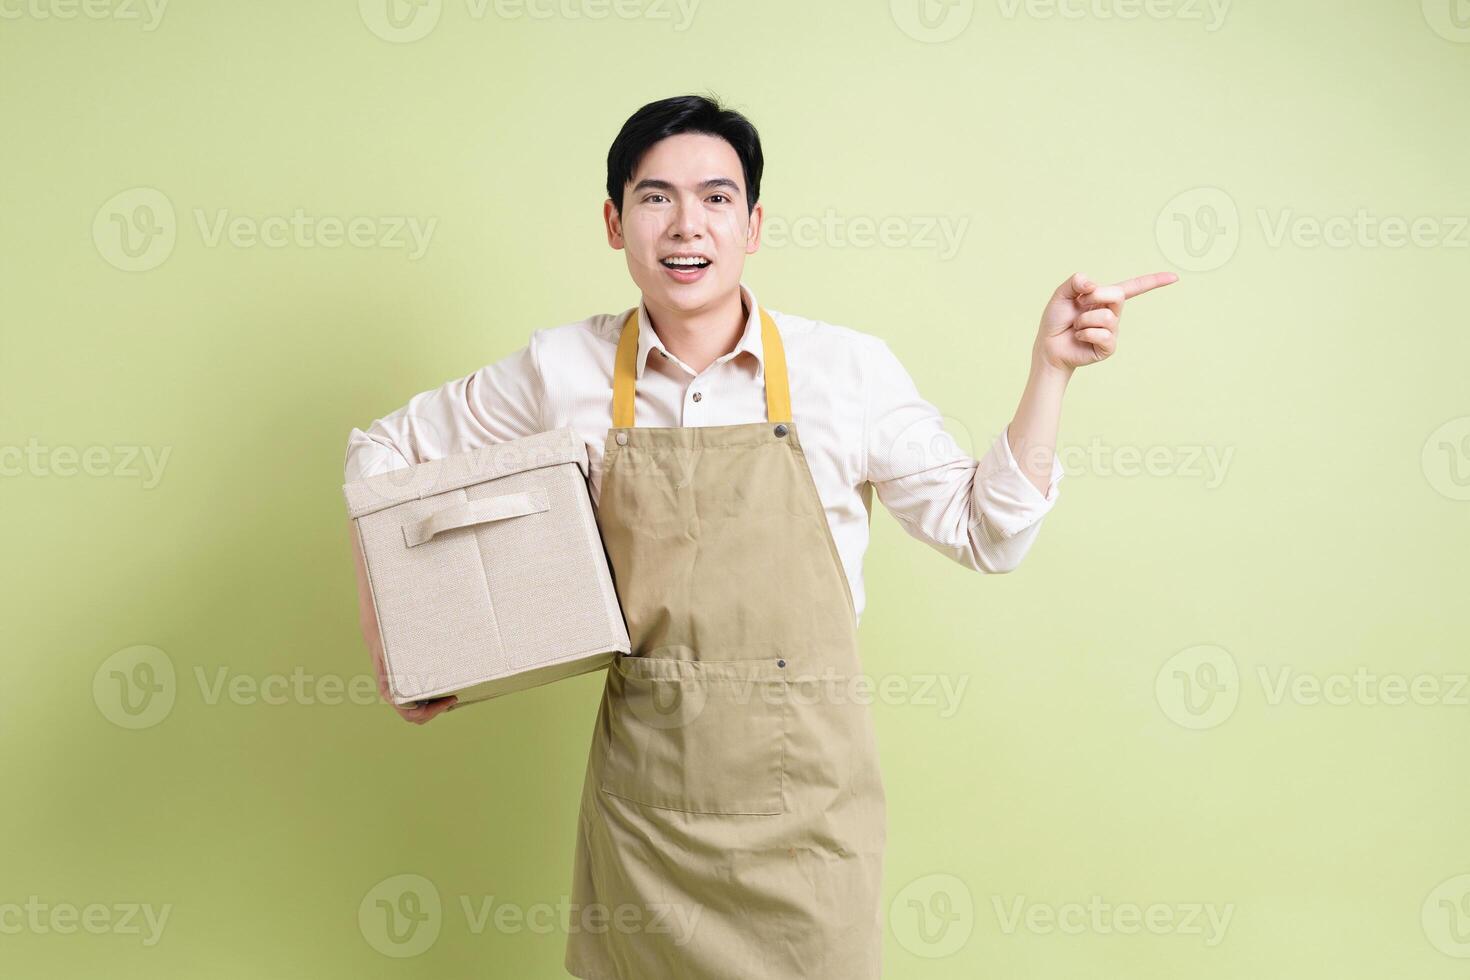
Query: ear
753,233
614,224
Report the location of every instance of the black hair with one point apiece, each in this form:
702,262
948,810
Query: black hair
683,114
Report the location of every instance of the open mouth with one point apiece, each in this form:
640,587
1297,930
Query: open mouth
685,269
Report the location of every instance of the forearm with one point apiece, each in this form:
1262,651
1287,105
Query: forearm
1032,432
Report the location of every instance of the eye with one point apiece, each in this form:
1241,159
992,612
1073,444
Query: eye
651,197
720,195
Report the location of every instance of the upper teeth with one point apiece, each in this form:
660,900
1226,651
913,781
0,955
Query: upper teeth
680,260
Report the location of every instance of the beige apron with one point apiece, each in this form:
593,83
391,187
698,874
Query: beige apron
732,820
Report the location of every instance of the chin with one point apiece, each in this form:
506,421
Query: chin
691,296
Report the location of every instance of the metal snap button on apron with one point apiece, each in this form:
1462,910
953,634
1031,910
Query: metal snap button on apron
622,438
781,429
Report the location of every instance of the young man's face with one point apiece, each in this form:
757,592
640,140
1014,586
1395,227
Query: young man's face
687,197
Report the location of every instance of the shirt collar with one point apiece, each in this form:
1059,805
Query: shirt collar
750,339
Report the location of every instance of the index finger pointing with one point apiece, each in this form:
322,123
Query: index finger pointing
1142,284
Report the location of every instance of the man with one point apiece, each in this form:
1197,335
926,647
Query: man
734,450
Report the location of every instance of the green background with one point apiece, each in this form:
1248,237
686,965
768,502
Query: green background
1083,758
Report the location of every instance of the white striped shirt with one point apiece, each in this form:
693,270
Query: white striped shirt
861,421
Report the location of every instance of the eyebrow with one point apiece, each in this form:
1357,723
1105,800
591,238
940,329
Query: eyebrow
653,183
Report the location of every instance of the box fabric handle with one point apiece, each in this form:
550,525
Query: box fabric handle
475,512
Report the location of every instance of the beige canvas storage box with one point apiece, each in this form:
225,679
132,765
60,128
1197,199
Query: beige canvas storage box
487,569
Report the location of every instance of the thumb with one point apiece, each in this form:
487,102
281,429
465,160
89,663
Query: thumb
1076,285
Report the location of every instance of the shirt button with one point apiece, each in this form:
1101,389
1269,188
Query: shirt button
622,438
697,396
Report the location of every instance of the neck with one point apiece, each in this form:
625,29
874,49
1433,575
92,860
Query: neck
698,337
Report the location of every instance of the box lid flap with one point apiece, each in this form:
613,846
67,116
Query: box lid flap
436,476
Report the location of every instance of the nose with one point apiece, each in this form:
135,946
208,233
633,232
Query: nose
688,220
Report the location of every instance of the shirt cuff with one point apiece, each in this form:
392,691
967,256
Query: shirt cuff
1006,495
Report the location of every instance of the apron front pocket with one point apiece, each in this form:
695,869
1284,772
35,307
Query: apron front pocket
704,736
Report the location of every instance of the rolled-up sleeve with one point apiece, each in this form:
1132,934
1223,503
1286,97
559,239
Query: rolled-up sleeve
983,513
497,403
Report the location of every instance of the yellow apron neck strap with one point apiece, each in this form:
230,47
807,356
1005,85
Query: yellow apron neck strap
625,372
